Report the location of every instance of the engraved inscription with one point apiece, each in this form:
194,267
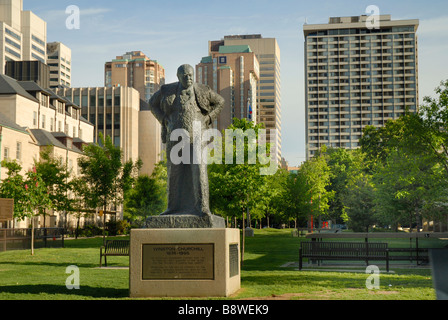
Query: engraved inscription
178,262
233,260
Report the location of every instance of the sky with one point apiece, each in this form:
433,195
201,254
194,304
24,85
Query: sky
177,32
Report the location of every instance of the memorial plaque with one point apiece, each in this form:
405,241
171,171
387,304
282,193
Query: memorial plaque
234,260
178,262
6,209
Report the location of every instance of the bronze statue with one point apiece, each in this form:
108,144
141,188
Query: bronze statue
182,106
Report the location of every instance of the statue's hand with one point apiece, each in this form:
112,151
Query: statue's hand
207,121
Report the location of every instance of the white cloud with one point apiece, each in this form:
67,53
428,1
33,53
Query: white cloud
57,15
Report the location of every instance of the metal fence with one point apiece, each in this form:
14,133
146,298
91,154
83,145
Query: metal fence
20,239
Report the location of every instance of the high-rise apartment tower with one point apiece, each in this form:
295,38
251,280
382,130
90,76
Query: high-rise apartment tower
268,107
136,70
233,72
357,76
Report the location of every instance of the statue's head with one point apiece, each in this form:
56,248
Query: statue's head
185,74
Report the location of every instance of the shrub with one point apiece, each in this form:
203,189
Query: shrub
116,228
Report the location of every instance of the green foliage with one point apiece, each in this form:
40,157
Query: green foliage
29,192
100,168
55,176
147,196
236,188
116,228
12,187
318,178
90,231
297,203
105,174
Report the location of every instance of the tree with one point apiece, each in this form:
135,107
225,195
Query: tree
297,205
55,176
37,199
80,193
358,201
431,125
408,186
106,175
318,178
237,188
275,196
13,187
343,164
407,160
30,194
145,199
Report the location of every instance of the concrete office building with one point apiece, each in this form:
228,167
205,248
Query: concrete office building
136,70
59,60
356,76
269,103
233,72
114,112
23,35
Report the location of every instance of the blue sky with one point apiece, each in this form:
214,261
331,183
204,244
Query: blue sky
177,32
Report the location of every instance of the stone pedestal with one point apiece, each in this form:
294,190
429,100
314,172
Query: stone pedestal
184,262
185,222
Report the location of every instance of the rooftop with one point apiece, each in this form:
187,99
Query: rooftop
9,85
361,22
234,49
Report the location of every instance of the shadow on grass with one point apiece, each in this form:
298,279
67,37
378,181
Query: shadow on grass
82,293
330,280
49,264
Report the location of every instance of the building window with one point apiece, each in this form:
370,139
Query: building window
6,153
13,43
12,52
38,49
43,121
19,151
35,56
34,118
13,34
39,41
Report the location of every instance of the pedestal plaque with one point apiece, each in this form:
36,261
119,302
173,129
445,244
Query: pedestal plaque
178,262
184,262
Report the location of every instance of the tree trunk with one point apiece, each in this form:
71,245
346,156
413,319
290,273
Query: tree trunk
77,226
244,240
32,235
104,225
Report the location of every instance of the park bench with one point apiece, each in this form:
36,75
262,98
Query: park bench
114,248
409,254
348,251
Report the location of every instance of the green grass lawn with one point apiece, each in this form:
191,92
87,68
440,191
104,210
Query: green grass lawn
43,276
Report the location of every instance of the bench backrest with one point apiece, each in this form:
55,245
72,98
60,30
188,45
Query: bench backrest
343,248
117,247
